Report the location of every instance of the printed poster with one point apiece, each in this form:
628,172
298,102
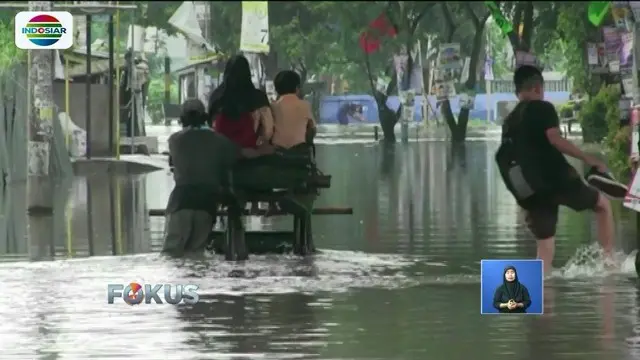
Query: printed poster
254,31
626,50
449,57
602,55
407,99
592,53
634,143
526,58
444,80
464,75
621,15
270,89
467,100
416,82
634,152
400,64
447,72
624,105
413,81
626,76
614,66
632,200
598,61
257,73
488,68
382,82
612,43
635,9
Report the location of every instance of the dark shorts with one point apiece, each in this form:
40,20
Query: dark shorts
542,216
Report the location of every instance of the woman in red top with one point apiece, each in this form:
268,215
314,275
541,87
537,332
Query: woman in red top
241,112
238,110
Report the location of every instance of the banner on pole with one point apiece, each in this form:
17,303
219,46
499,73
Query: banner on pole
597,11
254,33
632,200
504,24
526,58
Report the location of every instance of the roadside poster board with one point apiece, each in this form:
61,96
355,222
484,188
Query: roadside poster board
254,31
447,72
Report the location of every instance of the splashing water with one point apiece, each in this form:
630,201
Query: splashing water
589,261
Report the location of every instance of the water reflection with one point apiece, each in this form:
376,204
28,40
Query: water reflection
397,279
280,327
83,216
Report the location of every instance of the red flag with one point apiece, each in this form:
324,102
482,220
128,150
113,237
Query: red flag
378,28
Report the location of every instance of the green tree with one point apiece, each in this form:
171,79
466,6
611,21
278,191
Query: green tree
9,53
353,19
500,50
458,126
575,31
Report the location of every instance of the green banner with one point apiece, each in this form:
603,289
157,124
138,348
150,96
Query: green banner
597,11
497,16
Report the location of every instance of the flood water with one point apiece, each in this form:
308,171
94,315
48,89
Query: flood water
399,279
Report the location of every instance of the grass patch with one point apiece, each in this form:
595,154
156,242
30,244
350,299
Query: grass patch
481,123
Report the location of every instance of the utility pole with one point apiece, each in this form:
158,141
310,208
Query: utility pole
40,187
635,127
40,129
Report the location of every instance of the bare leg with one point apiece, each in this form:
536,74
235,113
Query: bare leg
546,250
542,221
606,230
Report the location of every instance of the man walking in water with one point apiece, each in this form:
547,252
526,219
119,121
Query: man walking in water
532,164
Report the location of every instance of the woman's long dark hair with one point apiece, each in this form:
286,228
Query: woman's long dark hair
236,95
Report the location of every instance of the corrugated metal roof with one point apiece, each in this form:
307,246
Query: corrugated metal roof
97,67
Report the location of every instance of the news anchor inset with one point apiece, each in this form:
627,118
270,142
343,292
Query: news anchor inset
511,286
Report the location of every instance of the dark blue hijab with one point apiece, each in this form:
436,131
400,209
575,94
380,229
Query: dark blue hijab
513,288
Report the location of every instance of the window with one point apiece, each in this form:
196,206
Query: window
187,87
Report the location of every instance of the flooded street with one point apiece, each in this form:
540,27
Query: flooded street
399,279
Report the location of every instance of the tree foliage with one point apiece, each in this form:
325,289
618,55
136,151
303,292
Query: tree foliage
317,38
557,32
477,16
9,52
575,32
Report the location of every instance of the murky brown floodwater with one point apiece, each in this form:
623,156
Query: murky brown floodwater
397,280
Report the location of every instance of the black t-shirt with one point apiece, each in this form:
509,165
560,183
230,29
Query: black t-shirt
530,121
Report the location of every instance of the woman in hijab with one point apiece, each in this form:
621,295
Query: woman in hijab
512,296
238,110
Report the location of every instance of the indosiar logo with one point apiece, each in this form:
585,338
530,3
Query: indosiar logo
40,30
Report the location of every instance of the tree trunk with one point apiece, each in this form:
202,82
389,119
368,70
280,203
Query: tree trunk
270,64
459,128
459,134
387,117
388,121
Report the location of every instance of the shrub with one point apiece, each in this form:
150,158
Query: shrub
618,139
565,110
597,113
618,143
